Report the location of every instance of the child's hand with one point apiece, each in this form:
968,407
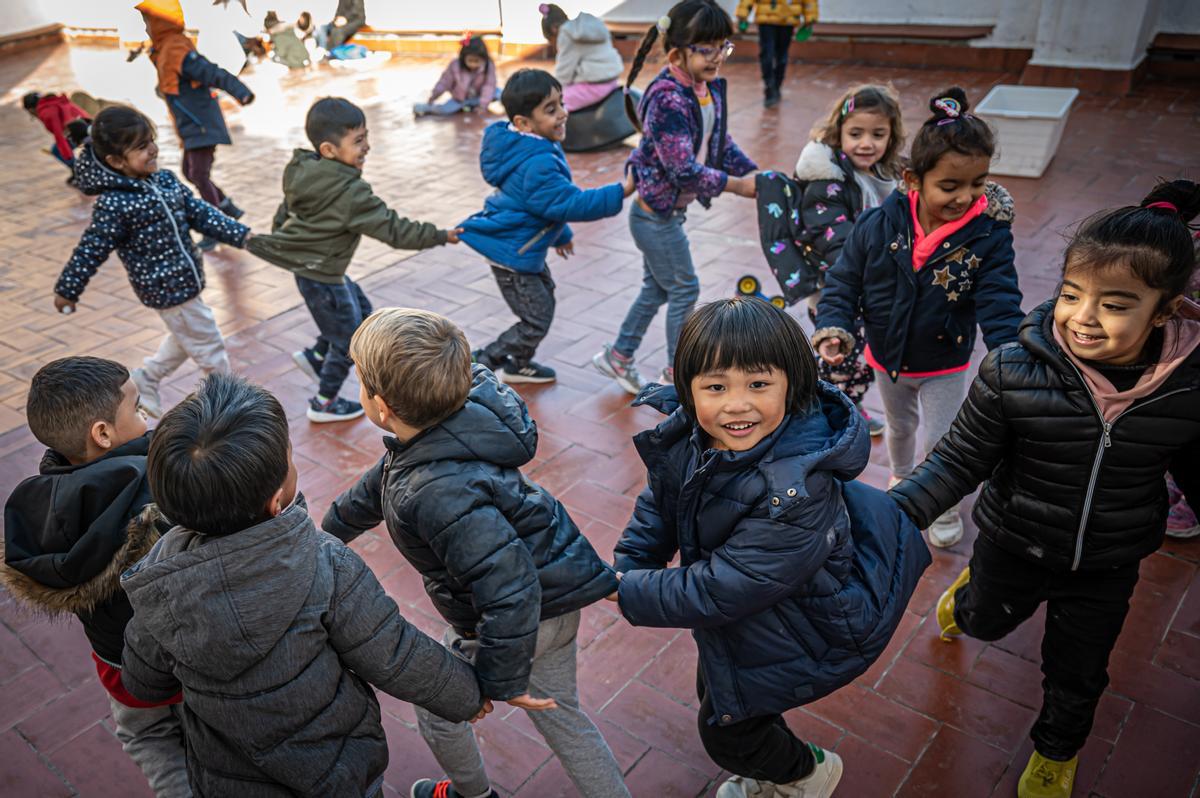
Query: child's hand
452,236
566,250
628,186
249,99
63,305
483,710
616,593
528,702
743,186
830,351
246,240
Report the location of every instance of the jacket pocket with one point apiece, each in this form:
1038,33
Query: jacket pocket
540,235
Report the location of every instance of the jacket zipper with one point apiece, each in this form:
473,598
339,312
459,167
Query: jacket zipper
529,244
178,238
1104,443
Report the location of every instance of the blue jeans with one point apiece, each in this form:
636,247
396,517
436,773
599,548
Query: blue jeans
451,106
667,277
337,310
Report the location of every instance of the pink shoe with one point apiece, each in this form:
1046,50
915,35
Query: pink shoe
1181,521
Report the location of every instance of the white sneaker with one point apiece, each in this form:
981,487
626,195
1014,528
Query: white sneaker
743,787
149,401
818,784
946,530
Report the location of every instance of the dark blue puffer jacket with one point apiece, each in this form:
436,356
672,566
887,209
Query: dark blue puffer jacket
533,201
147,223
792,578
197,113
497,552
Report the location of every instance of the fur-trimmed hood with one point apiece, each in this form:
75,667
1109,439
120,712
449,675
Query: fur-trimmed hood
1000,203
817,161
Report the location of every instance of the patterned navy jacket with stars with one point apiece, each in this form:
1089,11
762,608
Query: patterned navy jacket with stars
924,321
147,223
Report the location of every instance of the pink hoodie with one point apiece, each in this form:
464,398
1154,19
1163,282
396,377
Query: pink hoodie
463,84
1180,339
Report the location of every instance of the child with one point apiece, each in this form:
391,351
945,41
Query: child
776,21
287,42
685,154
145,213
1070,432
68,536
273,631
851,164
64,120
918,269
501,559
327,208
528,214
186,80
585,61
470,79
791,577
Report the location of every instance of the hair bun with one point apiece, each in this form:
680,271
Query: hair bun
1182,195
948,104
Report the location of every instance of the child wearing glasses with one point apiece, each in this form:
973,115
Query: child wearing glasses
685,154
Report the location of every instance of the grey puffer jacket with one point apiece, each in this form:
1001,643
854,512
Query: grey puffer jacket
273,634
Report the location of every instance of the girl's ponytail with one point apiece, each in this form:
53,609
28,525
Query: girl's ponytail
638,60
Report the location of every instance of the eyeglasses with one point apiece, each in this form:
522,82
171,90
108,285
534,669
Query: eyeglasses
713,53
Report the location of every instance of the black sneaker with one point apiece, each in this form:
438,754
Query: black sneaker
336,409
308,362
229,209
480,356
207,244
530,372
428,788
772,98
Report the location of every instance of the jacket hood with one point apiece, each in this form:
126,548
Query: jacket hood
818,162
94,177
218,605
312,183
494,426
585,29
1000,203
505,148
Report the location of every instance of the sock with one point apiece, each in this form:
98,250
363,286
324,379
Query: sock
323,399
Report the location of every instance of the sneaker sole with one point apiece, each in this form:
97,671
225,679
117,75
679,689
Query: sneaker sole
607,370
876,432
302,363
508,378
1184,534
317,417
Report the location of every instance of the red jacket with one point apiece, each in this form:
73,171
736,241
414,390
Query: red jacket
55,111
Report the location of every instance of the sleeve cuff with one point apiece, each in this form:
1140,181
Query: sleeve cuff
843,336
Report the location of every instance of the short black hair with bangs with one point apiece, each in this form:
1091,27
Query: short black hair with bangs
750,334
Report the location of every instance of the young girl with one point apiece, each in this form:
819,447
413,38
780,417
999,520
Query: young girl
791,577
776,21
686,154
585,61
186,81
851,164
1070,434
470,79
921,269
145,214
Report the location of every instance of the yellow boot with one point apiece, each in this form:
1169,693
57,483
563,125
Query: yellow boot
945,606
1047,778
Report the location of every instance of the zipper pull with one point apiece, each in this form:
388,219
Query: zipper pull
1107,439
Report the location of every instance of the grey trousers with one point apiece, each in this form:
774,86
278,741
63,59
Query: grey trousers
939,399
153,738
569,732
192,332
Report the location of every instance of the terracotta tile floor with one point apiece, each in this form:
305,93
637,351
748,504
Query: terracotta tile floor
930,719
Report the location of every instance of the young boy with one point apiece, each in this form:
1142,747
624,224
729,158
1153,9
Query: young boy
68,536
501,559
145,213
273,630
327,208
528,214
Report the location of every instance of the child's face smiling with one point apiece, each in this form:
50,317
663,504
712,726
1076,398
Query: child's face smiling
865,137
949,189
473,62
702,60
738,408
351,150
548,120
1107,314
139,161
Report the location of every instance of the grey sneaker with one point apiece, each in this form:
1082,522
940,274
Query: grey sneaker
946,530
149,400
336,409
623,370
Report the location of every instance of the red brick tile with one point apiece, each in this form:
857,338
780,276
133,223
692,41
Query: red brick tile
23,772
868,770
1156,687
954,764
409,758
660,774
94,764
957,656
1180,653
673,671
511,756
664,724
1155,755
593,501
14,655
1018,680
59,722
1111,715
26,694
905,632
890,725
615,658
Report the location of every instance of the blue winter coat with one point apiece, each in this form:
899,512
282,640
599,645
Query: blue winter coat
924,321
147,223
533,201
792,577
196,112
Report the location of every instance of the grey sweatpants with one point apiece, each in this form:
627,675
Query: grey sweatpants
571,735
939,398
192,332
153,738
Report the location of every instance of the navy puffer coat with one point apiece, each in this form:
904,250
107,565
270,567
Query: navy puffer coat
197,113
792,577
497,552
147,223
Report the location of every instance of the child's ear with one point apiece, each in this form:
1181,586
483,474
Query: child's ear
911,180
522,123
381,407
677,57
115,161
275,503
1168,312
327,150
101,435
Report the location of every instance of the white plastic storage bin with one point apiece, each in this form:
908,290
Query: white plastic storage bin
1029,123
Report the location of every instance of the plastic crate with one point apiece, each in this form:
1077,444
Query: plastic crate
1029,123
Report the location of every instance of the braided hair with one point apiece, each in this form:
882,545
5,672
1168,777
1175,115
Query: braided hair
688,22
950,129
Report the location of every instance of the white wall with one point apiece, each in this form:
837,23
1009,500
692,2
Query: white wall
22,15
1179,16
1095,34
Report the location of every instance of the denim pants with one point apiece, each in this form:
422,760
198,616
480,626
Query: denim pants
530,296
192,332
452,106
1085,611
773,44
338,310
571,735
153,738
667,277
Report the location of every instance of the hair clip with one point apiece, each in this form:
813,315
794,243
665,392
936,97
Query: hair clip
544,9
949,106
848,106
1166,206
664,22
466,39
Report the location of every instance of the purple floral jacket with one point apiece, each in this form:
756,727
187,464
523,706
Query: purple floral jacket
665,164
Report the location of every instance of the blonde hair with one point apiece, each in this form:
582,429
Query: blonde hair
418,362
866,97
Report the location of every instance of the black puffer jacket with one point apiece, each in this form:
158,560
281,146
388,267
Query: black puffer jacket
497,552
1060,487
